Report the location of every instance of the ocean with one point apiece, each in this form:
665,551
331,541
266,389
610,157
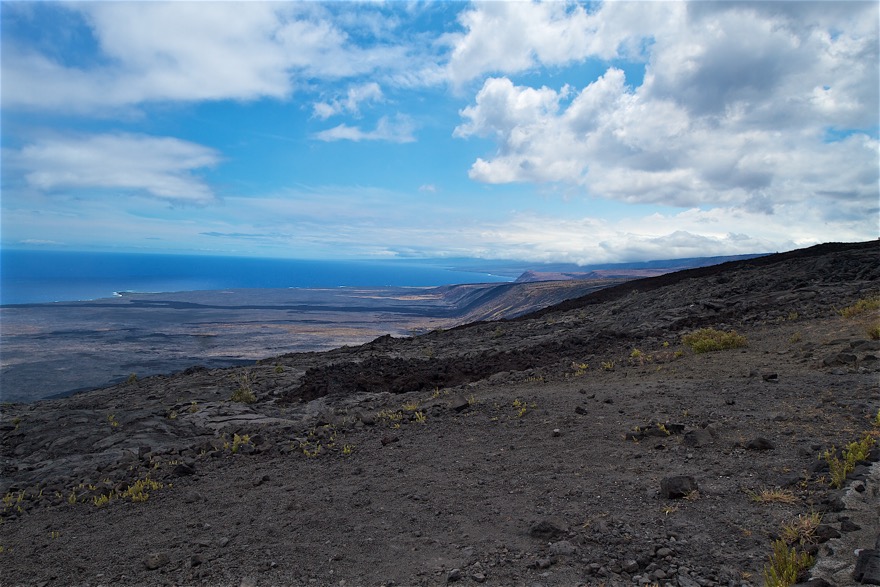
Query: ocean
28,277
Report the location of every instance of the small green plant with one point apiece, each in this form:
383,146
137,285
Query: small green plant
410,406
862,306
793,316
801,530
795,338
774,495
841,466
54,534
347,450
279,369
420,417
193,407
874,331
132,379
608,365
785,565
111,418
244,393
707,340
522,407
172,414
239,441
579,368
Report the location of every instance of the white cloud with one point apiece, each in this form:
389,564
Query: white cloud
160,167
509,37
351,104
397,129
734,111
183,51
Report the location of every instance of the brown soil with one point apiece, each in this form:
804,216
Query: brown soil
518,452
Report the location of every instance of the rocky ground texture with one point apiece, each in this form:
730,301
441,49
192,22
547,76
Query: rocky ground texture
581,445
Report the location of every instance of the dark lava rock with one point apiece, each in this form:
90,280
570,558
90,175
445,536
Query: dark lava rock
548,529
459,404
849,526
156,560
867,569
182,469
677,487
697,438
815,583
824,533
759,443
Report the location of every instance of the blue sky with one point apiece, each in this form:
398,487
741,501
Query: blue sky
585,133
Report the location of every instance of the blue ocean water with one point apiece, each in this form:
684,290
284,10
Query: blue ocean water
28,277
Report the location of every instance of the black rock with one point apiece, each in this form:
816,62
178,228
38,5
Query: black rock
849,526
824,533
548,529
182,469
867,569
759,443
677,487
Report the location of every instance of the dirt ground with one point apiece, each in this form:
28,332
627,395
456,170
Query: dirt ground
540,451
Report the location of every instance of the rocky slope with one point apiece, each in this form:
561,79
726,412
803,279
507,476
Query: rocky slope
581,445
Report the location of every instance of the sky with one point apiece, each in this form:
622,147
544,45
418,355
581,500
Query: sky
538,131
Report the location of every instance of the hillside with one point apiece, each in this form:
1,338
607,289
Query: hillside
581,444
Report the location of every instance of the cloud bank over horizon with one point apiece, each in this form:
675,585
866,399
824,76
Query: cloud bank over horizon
544,131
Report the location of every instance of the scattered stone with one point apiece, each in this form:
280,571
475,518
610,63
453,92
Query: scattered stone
685,581
459,404
760,443
848,525
677,487
815,583
770,377
556,433
697,438
580,410
630,566
183,469
453,576
386,440
548,529
543,563
867,569
479,577
563,548
156,560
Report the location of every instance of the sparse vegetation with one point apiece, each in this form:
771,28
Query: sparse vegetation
774,495
608,365
244,393
707,340
802,529
785,565
842,464
132,379
579,368
862,306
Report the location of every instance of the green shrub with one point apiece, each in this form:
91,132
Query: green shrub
785,564
245,393
862,306
708,339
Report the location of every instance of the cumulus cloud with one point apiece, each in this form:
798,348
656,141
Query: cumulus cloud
159,167
180,51
734,110
509,37
351,103
396,129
